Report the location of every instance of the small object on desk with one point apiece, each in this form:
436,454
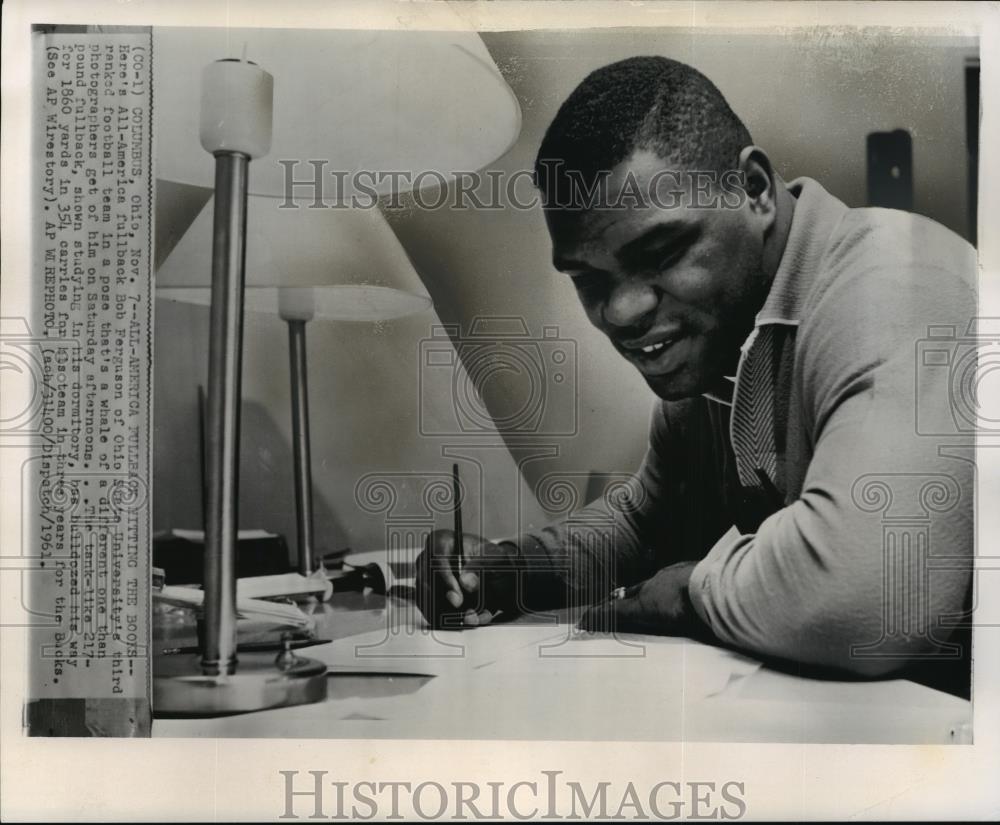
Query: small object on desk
359,578
334,560
457,504
286,658
398,563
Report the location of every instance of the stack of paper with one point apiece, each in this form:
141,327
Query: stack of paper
257,610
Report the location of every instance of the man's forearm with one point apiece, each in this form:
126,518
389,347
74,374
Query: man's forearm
580,560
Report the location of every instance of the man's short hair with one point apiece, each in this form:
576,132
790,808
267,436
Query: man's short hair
651,103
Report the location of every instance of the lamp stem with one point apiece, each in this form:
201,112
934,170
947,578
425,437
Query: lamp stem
300,444
225,351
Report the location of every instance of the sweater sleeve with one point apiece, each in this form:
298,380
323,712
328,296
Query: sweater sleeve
612,542
847,570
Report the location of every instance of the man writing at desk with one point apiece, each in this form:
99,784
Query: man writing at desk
779,328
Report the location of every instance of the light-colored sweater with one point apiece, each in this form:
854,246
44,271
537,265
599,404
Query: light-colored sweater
845,568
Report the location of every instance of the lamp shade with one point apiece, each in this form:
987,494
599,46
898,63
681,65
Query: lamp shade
353,100
342,264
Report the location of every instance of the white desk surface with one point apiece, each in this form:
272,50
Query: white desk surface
390,680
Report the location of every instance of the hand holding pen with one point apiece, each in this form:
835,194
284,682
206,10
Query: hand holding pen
463,580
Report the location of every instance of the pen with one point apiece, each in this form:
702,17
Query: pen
459,551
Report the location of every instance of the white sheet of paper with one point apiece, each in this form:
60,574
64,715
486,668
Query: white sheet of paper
530,682
431,652
574,686
283,584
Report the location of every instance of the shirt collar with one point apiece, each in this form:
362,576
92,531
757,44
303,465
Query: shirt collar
817,212
723,391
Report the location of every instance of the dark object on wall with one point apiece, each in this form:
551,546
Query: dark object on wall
972,115
890,169
183,560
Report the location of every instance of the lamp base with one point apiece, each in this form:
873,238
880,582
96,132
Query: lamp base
180,689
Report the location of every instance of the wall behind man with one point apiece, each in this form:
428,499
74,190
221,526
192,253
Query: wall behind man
808,97
809,101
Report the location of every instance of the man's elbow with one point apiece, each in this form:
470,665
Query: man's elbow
873,666
840,652
857,640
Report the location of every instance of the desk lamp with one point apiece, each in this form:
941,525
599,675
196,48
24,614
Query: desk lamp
354,101
345,102
333,264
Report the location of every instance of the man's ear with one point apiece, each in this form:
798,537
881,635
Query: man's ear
759,178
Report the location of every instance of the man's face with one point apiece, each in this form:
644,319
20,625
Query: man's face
676,288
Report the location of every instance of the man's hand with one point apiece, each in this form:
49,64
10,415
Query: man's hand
484,589
658,605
